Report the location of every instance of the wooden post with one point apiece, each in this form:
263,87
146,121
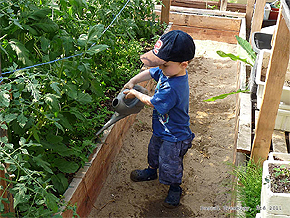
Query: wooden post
258,17
273,89
165,11
249,14
223,5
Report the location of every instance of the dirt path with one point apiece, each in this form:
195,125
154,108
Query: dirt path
206,178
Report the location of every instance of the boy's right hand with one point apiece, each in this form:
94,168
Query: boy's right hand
129,85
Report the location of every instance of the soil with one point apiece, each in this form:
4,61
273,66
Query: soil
206,181
280,178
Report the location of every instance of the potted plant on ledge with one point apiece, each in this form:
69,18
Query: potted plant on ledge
275,193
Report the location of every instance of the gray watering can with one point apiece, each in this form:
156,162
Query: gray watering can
124,107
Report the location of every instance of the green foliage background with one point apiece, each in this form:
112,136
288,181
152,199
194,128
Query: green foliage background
51,112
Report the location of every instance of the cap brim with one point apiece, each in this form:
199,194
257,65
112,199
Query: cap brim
151,60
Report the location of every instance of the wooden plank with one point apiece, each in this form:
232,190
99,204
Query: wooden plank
272,92
205,21
165,9
202,11
244,133
209,34
258,17
249,13
203,5
279,141
223,5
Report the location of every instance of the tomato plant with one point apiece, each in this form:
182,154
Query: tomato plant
51,111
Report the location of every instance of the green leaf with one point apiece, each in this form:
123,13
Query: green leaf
44,42
33,87
48,27
40,14
15,21
54,139
52,101
35,134
10,117
247,47
59,126
55,87
78,114
22,120
96,49
41,163
20,196
233,57
224,95
82,40
97,88
64,122
95,32
51,201
60,182
4,98
3,50
66,166
71,91
3,126
21,51
84,98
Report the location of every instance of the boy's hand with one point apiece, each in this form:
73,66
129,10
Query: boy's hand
130,93
129,85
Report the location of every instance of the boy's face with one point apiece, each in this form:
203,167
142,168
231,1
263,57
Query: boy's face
171,69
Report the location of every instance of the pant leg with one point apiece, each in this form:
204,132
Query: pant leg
171,161
153,151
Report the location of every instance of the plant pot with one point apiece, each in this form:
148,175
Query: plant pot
283,115
274,14
273,204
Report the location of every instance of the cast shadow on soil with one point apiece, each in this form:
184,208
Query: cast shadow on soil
156,209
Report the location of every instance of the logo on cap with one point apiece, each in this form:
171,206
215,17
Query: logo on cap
157,46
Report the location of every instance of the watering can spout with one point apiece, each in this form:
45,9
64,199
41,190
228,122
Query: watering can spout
116,117
124,107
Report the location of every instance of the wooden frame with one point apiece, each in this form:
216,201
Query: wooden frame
203,5
271,98
201,24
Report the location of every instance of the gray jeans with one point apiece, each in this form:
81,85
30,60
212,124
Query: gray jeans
168,157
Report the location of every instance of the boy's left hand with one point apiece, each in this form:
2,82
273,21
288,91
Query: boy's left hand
130,93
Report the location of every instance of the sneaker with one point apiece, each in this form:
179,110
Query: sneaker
143,175
173,198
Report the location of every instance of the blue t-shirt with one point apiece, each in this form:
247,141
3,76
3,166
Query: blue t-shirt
170,119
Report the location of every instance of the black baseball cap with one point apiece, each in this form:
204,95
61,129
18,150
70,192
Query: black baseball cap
176,46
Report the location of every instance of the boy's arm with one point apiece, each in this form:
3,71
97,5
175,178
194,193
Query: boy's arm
143,76
132,93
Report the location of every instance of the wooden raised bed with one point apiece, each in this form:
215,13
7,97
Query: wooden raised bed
221,26
202,5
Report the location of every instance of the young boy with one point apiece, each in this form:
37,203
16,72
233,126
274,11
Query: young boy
170,122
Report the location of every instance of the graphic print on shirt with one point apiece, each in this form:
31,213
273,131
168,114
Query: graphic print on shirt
163,119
